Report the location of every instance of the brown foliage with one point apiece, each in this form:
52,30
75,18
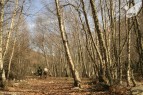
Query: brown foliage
118,90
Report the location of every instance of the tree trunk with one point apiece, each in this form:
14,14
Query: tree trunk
92,39
139,45
129,58
11,56
2,71
11,29
8,39
130,77
128,67
103,48
65,42
119,58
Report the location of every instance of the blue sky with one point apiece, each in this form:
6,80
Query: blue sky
35,8
35,5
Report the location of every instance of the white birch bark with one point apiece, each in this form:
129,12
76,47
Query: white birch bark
65,42
2,72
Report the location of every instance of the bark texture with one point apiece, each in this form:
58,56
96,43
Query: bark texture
65,42
2,71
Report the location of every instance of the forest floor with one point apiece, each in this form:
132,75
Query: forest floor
56,86
49,86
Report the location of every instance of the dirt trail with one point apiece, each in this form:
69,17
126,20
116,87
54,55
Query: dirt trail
49,86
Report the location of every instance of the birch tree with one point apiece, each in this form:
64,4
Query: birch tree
103,48
65,42
2,71
15,37
11,29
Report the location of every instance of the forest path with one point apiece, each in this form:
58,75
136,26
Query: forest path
49,86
